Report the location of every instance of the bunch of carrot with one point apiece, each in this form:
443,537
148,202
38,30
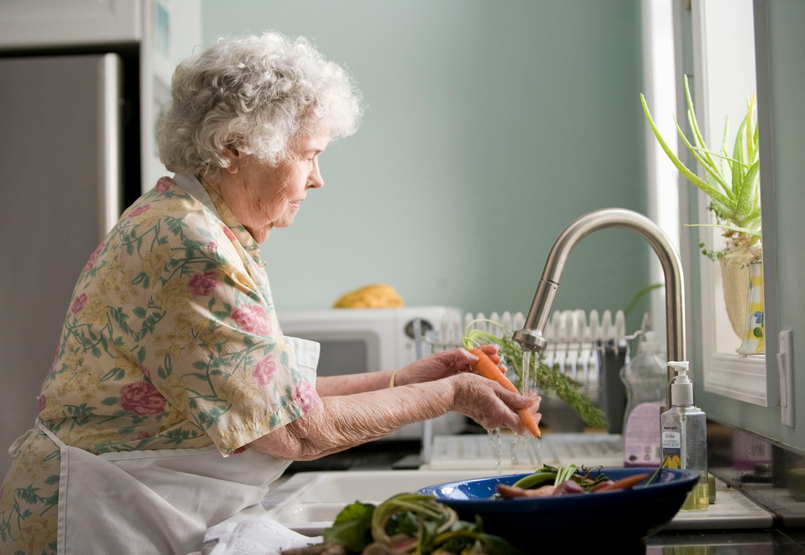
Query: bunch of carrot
488,369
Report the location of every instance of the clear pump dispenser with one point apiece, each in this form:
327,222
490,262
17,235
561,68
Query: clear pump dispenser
684,436
645,378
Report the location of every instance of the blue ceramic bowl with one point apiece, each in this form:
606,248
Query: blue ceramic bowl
624,517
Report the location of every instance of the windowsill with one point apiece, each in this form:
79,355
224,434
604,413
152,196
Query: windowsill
739,377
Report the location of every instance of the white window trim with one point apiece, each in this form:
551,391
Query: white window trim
662,177
731,375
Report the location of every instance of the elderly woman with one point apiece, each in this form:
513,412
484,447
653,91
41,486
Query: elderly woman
174,400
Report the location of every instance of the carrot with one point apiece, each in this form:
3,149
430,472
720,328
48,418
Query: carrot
625,483
488,369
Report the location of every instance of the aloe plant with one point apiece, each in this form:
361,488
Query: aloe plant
731,182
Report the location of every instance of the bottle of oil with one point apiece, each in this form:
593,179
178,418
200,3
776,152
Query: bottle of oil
684,436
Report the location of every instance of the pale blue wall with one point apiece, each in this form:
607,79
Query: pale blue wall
490,126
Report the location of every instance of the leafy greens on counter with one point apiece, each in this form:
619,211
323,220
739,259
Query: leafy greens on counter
407,524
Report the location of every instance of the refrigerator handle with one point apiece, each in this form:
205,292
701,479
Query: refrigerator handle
109,143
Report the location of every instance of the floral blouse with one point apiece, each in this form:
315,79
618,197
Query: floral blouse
171,341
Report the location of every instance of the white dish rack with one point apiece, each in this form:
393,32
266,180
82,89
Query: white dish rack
572,339
577,342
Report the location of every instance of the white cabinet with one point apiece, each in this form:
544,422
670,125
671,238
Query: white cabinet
35,23
166,32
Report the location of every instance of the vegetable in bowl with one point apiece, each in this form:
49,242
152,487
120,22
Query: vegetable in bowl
566,480
632,514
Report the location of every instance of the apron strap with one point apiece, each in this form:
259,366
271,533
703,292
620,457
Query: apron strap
52,436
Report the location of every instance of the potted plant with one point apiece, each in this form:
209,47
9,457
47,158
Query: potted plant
732,183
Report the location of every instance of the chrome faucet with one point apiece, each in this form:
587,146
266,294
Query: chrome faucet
531,337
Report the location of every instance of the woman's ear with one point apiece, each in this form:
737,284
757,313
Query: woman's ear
233,158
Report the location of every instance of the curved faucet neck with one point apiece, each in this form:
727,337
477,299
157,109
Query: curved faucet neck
531,337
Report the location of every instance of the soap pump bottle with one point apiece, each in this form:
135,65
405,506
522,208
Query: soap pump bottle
684,436
646,379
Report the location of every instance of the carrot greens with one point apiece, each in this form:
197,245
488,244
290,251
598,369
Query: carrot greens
549,379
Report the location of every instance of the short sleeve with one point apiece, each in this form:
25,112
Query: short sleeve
213,344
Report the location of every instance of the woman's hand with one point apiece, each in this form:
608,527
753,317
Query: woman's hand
491,405
343,421
442,365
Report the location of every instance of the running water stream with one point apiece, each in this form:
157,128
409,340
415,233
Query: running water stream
495,440
526,372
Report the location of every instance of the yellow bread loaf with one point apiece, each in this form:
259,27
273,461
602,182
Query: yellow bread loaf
378,295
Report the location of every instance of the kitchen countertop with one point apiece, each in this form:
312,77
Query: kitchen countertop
776,539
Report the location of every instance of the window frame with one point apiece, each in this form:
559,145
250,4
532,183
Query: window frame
744,378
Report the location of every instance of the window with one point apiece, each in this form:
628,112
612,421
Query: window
724,69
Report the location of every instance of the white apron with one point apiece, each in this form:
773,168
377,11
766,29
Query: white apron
160,501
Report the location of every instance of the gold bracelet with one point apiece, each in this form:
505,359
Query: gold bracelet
393,375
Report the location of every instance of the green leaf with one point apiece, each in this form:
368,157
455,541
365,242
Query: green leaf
739,171
640,294
110,401
745,200
750,147
28,495
710,170
352,527
139,312
692,177
141,355
53,479
694,125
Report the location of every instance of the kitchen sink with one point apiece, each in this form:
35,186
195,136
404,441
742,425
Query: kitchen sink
308,502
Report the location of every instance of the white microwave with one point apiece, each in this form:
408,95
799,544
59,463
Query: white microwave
357,340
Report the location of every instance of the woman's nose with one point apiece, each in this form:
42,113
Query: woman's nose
314,179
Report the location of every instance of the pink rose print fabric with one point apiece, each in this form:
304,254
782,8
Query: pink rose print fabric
305,396
163,184
252,319
263,371
91,262
139,211
78,304
161,348
201,285
142,398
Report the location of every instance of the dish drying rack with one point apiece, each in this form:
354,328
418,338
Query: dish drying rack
589,348
575,341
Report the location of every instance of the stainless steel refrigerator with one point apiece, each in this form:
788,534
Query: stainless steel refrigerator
68,164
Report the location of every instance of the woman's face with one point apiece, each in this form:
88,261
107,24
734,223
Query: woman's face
263,196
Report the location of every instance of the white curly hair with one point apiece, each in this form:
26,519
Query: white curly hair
257,94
